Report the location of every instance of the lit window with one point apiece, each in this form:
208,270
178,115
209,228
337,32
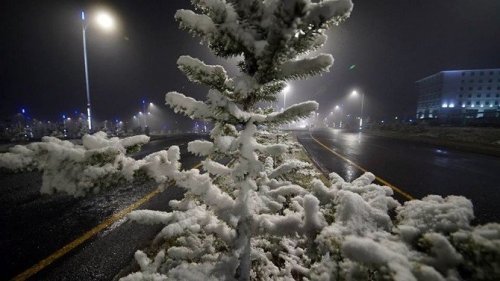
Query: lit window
452,105
445,105
463,104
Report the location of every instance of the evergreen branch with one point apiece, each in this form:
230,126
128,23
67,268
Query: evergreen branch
292,113
214,76
188,106
296,69
327,11
196,24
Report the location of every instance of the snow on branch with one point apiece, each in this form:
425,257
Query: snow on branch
328,11
219,10
435,213
187,105
296,69
292,113
201,25
213,76
307,42
216,168
200,147
288,167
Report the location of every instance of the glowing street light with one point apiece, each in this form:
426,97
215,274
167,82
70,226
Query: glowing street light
106,22
285,91
356,94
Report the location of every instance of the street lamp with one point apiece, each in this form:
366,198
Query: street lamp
105,21
355,94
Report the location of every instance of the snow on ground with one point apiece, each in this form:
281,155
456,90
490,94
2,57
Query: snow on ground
329,229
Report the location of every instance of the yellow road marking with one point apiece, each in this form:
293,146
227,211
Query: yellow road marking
404,194
87,235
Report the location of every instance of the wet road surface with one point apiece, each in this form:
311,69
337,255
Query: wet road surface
34,226
415,168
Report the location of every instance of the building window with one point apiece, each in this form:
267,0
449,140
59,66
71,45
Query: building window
472,73
491,72
460,95
468,103
463,73
498,95
461,88
470,96
487,95
478,95
463,80
489,81
480,88
481,73
477,103
487,103
480,80
496,102
470,88
489,88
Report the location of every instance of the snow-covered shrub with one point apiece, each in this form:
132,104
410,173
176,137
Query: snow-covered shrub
100,162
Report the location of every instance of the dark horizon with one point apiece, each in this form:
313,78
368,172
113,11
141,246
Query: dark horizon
381,50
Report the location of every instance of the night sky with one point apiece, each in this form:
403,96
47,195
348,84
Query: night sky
393,43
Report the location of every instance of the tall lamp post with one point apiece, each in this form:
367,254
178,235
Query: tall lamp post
106,22
355,94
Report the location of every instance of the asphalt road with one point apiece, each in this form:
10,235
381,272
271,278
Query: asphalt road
35,226
415,168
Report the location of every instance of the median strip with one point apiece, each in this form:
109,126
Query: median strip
381,180
87,235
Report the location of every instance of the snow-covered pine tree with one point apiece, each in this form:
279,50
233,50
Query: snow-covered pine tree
272,39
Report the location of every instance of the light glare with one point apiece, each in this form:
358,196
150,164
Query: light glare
105,21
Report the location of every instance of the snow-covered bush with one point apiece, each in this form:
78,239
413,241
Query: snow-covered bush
100,162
